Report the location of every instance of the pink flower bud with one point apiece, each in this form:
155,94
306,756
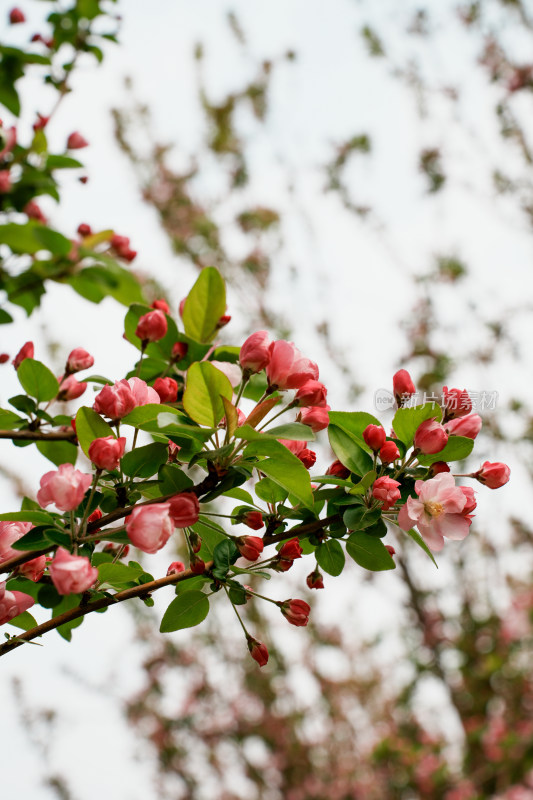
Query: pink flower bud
184,509
390,549
386,490
250,547
26,351
162,305
255,354
152,326
10,137
150,527
173,450
338,469
84,229
16,16
5,181
437,467
282,564
4,357
316,417
457,402
79,359
106,452
287,368
195,542
11,532
307,457
223,320
471,503
118,400
179,350
65,487
389,452
290,550
70,388
315,580
312,393
258,651
253,519
97,514
142,393
374,436
34,569
197,566
296,612
182,306
167,389
430,437
175,568
402,386
493,474
468,426
33,211
13,603
76,141
72,574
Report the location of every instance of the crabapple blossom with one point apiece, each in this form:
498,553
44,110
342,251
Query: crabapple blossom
312,393
152,326
438,511
468,426
184,509
315,580
162,305
290,550
76,141
33,569
258,651
287,368
430,437
338,469
26,351
316,417
70,388
296,612
78,359
150,527
374,436
386,490
65,487
106,452
402,386
250,547
457,402
493,474
389,452
13,603
72,574
255,353
167,389
175,568
115,401
253,519
11,532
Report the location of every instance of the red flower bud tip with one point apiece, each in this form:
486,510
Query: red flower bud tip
316,417
4,357
73,424
402,386
106,452
457,403
173,450
315,580
430,437
312,393
296,612
250,547
16,16
76,141
307,457
79,359
493,474
197,566
84,229
115,550
162,305
338,470
41,122
182,306
386,490
374,436
26,351
184,509
290,550
167,389
97,514
70,388
195,542
255,354
389,452
5,181
36,38
438,466
253,519
224,319
129,255
179,350
390,549
282,564
468,426
175,568
258,651
152,326
33,211
83,179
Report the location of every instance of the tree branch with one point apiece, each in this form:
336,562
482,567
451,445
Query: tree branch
39,436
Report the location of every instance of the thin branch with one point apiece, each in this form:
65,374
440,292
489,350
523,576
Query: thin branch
39,436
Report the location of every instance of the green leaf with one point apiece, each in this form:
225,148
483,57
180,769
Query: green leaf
37,380
283,467
36,539
185,611
348,451
457,448
143,462
118,573
205,304
359,518
5,318
330,556
31,237
353,423
9,420
53,241
62,162
224,555
90,426
270,492
416,537
37,517
149,413
24,621
58,452
202,397
240,494
407,420
369,552
173,479
292,430
211,534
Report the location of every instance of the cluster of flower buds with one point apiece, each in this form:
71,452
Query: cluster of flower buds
121,246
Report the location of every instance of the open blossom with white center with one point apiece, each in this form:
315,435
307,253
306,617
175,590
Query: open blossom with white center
438,511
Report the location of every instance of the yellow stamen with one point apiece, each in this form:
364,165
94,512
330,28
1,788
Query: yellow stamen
433,509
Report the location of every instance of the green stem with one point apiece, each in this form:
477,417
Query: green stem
238,615
83,524
283,410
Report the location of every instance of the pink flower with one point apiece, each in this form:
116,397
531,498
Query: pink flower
250,547
437,512
258,651
386,490
231,371
64,487
76,141
184,509
471,503
150,527
457,402
290,550
493,474
255,352
430,437
79,359
106,452
152,326
316,417
167,389
26,351
16,16
389,452
287,368
11,532
374,436
296,612
115,401
5,181
72,574
70,388
468,426
175,568
13,603
142,393
312,393
34,569
402,385
162,305
315,580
